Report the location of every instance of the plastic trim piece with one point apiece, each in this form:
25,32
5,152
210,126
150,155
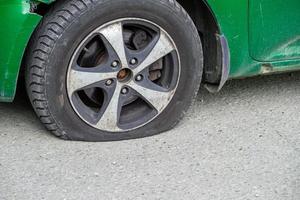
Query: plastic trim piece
213,88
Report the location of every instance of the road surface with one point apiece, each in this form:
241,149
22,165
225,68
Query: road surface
242,143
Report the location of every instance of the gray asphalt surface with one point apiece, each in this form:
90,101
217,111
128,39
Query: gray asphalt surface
242,143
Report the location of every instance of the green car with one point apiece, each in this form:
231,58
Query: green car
103,70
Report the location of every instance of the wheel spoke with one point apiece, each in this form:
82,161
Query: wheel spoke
114,35
80,79
109,118
163,47
108,80
158,99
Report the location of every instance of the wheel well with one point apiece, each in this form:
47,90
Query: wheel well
208,30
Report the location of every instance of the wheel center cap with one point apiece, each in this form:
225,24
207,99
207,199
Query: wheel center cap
124,75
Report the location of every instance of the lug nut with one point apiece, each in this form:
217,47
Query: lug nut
109,82
133,61
124,91
139,78
115,64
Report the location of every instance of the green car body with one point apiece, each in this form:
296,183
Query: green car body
263,36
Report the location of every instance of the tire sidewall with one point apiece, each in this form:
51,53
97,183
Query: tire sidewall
158,12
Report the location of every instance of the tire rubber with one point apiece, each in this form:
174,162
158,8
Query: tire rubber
61,31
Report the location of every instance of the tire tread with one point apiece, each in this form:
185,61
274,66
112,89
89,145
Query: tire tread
52,26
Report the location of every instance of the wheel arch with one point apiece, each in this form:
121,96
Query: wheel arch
215,47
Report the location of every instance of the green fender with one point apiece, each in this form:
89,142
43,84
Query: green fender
17,25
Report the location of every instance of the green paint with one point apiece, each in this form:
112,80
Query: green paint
17,25
263,36
260,32
274,30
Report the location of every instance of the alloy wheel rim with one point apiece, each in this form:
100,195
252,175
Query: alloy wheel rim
123,75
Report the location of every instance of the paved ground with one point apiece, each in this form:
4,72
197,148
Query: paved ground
243,143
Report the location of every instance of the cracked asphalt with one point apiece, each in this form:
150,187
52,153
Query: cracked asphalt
242,143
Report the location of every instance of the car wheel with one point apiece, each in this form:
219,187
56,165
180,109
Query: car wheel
110,70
